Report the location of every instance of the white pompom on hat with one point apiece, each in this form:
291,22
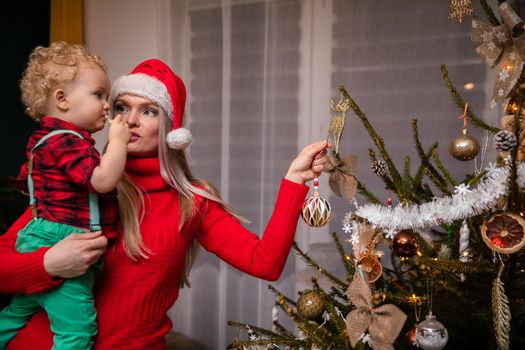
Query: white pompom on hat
154,80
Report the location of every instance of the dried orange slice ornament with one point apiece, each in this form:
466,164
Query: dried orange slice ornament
371,266
504,232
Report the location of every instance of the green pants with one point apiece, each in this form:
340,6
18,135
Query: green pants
70,307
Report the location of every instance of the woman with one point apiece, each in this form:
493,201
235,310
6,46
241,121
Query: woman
164,212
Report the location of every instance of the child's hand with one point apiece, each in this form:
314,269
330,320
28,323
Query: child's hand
119,130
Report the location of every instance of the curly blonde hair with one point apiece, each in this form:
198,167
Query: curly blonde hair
48,68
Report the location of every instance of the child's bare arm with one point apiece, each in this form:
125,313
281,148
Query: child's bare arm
107,174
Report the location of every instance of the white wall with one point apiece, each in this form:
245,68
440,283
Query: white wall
123,32
126,32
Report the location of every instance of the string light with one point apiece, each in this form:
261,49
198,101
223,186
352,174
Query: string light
469,86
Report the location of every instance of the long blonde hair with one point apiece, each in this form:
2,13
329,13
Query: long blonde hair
175,170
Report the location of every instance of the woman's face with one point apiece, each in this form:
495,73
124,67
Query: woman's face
142,116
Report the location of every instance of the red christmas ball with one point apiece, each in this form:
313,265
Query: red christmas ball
410,339
405,244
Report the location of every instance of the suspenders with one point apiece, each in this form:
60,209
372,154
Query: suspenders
94,213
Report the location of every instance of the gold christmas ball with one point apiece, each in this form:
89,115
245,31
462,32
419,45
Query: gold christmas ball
464,147
310,305
316,211
405,244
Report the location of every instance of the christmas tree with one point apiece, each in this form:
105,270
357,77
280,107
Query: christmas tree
455,277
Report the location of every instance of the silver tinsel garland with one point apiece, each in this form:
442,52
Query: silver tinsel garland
463,203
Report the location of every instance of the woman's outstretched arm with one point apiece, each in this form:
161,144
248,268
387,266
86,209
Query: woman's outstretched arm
263,257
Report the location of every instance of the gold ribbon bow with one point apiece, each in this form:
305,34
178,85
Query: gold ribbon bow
383,323
342,176
503,45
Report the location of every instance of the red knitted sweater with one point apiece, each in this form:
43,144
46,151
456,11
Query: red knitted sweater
132,298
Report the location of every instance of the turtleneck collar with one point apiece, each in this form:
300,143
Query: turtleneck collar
145,172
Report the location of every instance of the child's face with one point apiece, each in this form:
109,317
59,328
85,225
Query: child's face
87,98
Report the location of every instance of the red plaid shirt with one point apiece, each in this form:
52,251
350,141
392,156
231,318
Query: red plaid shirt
62,169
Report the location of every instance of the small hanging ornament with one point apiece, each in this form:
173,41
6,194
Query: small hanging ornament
275,316
337,125
504,232
378,298
460,8
379,167
410,338
464,147
501,314
310,305
431,334
371,266
505,141
405,244
507,122
316,210
464,238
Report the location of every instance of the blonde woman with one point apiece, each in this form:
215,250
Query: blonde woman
164,212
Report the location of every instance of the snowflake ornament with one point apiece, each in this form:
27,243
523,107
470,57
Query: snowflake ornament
390,233
461,189
365,338
504,75
459,9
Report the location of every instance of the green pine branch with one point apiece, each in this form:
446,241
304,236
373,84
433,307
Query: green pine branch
448,176
458,100
365,192
378,141
435,176
350,270
318,267
489,13
454,266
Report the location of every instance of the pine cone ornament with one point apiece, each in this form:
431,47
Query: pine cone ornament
379,167
505,141
507,123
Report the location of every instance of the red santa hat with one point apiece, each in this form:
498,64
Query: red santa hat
154,80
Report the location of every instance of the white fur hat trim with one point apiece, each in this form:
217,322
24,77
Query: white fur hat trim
178,139
143,85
